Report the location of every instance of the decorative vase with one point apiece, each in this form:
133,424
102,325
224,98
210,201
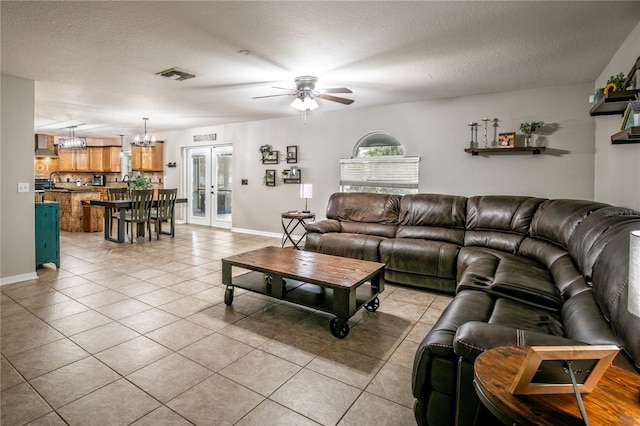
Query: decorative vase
527,140
636,117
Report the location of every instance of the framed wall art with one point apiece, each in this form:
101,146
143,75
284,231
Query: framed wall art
270,177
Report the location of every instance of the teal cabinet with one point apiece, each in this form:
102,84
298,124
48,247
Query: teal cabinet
47,233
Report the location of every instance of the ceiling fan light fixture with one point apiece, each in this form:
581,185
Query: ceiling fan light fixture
306,104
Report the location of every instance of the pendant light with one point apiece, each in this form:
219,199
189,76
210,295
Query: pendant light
72,142
146,140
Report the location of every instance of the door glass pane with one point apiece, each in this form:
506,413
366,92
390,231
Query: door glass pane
198,191
224,185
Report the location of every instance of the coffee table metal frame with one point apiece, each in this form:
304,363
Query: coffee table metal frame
294,281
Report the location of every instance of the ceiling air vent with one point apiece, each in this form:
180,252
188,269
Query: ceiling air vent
176,74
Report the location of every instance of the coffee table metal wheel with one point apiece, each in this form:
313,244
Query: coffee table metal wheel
339,327
373,305
228,296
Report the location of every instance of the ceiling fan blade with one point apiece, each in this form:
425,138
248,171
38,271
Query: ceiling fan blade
335,90
336,99
271,96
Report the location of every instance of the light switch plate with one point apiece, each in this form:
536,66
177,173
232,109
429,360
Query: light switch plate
23,186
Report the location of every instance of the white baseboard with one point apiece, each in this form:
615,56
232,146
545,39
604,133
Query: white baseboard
254,232
18,278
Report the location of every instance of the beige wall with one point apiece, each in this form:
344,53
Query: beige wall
17,230
617,167
436,131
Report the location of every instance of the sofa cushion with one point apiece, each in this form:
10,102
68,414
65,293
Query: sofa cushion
507,275
523,316
379,229
355,246
556,259
423,257
499,222
610,282
364,207
556,220
590,236
433,210
584,322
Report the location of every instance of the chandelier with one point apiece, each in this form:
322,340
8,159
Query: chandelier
146,140
72,142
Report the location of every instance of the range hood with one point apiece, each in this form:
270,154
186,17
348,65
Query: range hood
41,148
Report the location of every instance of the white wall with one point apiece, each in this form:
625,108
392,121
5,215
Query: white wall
17,229
436,131
617,170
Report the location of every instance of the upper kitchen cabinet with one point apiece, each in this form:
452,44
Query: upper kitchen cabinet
91,159
111,160
147,159
79,160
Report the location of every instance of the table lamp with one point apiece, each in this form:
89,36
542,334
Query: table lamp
306,191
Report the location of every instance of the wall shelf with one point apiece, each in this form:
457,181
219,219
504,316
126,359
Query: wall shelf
613,103
629,135
535,150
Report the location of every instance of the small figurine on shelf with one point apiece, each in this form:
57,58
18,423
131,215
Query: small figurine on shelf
528,128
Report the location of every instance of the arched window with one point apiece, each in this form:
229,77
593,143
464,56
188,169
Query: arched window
378,165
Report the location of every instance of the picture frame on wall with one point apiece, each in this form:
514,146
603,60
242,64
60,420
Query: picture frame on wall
270,177
292,154
507,140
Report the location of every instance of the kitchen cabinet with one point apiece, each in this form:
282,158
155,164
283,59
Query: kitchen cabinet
91,159
47,219
147,159
74,161
111,160
95,159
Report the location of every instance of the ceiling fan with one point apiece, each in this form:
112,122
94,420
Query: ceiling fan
306,93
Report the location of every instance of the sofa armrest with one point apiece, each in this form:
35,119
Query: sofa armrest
473,338
324,226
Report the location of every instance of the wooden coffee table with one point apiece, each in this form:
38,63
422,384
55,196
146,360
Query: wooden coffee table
333,284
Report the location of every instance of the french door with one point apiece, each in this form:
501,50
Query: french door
209,183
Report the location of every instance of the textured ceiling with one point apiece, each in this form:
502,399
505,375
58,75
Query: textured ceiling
95,62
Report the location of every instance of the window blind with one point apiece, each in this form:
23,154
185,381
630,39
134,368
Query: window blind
387,172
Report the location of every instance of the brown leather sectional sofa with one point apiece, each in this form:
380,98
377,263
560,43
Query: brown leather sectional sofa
524,271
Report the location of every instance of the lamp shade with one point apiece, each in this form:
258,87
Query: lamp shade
634,273
306,190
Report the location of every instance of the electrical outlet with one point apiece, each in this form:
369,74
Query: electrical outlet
23,186
245,181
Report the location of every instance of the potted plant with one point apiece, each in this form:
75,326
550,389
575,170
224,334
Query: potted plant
140,182
615,83
528,128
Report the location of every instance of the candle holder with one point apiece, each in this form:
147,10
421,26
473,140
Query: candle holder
473,127
485,140
494,143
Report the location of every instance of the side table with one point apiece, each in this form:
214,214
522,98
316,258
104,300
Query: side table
614,400
294,220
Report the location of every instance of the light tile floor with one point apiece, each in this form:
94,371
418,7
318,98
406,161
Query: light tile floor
139,334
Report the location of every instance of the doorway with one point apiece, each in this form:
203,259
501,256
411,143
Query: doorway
209,179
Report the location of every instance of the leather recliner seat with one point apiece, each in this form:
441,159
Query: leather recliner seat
524,271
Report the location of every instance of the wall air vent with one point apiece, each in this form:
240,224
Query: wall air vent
205,138
176,74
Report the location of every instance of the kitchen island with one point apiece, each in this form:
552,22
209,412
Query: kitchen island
71,209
